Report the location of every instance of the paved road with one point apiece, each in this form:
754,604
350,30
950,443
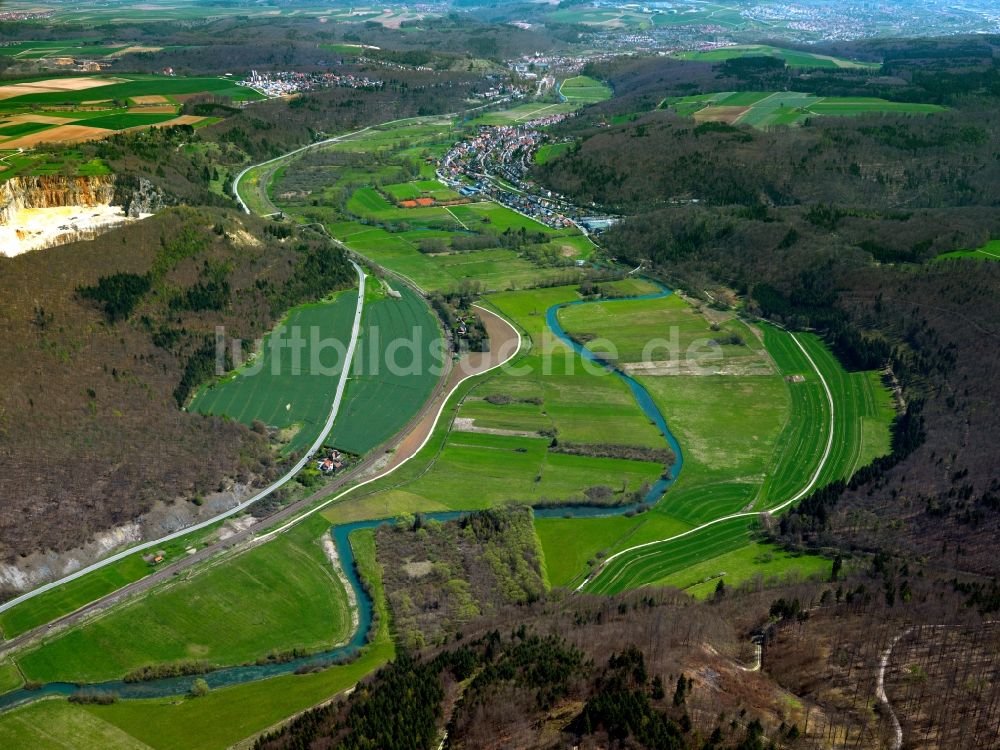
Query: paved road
798,496
404,446
289,511
334,408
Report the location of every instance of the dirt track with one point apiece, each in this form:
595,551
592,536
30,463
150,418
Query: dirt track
503,345
504,341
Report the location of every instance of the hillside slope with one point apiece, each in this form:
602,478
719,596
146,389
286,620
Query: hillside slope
102,341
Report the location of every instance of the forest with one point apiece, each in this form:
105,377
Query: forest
837,226
102,355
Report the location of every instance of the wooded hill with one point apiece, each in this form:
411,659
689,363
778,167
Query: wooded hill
835,225
101,352
655,669
100,343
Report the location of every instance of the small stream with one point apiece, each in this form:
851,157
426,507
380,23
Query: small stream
229,676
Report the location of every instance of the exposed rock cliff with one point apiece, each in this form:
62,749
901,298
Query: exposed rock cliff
44,211
138,197
53,191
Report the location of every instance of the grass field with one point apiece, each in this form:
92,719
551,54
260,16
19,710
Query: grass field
572,544
22,128
88,49
362,207
763,109
128,120
633,16
63,109
58,725
466,468
752,434
525,112
662,329
420,189
765,561
276,597
290,387
654,563
220,719
73,595
10,677
989,251
386,390
550,151
584,90
792,58
131,85
771,457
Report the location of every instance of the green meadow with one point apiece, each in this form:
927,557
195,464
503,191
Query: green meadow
762,109
792,58
427,244
755,561
219,719
584,90
744,401
385,391
989,251
751,417
662,329
281,387
275,597
651,564
56,724
551,151
70,596
755,461
139,85
501,449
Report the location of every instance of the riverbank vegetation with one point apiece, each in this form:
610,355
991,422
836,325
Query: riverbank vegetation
276,597
439,577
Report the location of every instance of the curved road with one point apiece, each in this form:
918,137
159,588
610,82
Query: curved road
6,646
335,407
798,496
505,343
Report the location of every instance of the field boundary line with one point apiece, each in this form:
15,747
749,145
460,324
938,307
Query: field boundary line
452,213
753,514
307,456
430,433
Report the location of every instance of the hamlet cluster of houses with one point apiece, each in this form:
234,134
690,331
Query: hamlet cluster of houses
286,83
496,163
331,463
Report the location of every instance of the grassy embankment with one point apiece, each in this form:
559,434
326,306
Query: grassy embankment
221,718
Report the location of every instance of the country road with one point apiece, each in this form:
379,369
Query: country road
505,343
288,476
288,512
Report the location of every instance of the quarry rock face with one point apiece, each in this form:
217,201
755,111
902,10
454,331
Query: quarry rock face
53,191
138,197
48,210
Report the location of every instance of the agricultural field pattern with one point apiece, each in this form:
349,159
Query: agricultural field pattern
763,109
654,432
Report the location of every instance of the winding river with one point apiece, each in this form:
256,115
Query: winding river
229,676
